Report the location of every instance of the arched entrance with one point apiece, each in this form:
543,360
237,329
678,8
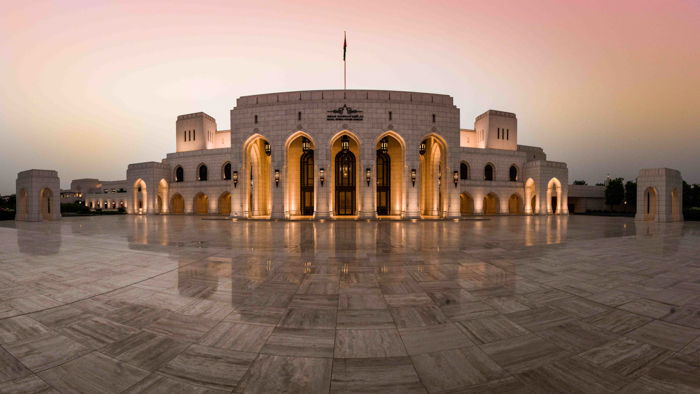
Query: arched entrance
530,197
162,196
554,196
225,204
491,204
466,204
515,205
201,204
433,167
650,204
258,166
45,202
389,174
22,205
300,197
140,197
177,204
345,179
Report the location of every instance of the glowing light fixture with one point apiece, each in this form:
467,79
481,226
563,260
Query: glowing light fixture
235,179
305,144
322,176
421,148
413,176
345,142
268,148
277,178
368,175
384,145
455,177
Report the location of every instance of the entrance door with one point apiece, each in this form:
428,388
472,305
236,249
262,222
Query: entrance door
307,183
383,183
345,183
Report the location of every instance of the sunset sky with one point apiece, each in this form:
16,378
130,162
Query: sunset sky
607,86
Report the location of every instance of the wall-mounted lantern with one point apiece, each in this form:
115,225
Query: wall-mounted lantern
384,145
455,177
345,143
268,148
368,175
413,176
322,176
235,179
305,144
277,178
421,148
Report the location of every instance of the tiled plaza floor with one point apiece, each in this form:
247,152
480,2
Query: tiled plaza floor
512,304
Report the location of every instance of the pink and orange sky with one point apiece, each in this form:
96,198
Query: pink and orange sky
606,86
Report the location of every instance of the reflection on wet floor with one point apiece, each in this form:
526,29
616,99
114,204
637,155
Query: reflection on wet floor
554,303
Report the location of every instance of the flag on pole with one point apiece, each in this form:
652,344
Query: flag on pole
345,45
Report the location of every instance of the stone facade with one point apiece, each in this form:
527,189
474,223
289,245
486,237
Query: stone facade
38,196
659,195
348,154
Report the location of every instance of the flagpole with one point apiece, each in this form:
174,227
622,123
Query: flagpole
345,63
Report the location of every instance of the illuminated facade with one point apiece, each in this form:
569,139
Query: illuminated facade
348,154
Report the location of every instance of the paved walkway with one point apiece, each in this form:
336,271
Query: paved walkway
512,304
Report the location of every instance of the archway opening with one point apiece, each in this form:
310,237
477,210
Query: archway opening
225,204
513,173
489,172
177,204
554,196
433,167
530,197
226,172
162,196
258,167
650,204
299,182
140,197
345,178
491,204
466,204
515,205
201,204
179,174
389,174
45,202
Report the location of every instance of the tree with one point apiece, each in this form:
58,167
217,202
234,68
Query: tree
580,182
631,194
614,192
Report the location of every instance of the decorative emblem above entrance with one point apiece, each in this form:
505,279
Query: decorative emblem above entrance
344,113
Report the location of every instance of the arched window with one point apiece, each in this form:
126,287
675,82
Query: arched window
179,174
227,171
463,171
488,172
202,172
513,173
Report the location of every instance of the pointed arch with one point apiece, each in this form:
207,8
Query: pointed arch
515,204
140,197
492,204
177,204
201,204
466,204
300,174
345,174
389,173
257,178
433,176
225,204
554,194
531,197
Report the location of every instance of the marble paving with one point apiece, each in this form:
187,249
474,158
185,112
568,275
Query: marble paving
166,304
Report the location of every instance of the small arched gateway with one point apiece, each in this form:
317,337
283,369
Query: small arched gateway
466,204
225,204
491,204
177,204
201,204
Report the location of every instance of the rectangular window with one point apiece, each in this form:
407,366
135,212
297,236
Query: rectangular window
256,119
185,135
433,118
507,134
194,135
299,116
390,115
